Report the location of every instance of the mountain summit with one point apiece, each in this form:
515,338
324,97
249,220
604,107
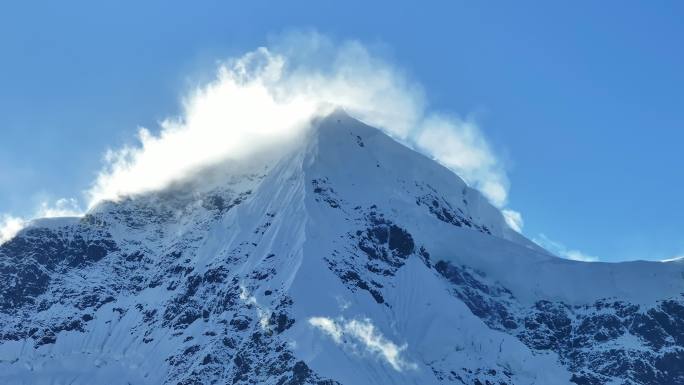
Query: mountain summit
352,260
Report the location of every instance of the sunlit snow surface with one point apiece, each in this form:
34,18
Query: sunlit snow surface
352,260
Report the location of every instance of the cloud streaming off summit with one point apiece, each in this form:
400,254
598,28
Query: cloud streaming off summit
268,96
312,214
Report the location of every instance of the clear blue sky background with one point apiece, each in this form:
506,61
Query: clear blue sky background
583,99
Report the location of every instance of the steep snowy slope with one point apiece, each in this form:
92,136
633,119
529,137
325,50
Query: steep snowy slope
352,260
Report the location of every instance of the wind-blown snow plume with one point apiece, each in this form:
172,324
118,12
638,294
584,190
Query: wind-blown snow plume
268,95
562,251
363,333
10,225
460,146
513,219
64,207
262,101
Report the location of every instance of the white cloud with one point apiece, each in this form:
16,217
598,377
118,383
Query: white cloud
10,225
460,146
234,116
64,207
264,99
674,259
363,333
328,326
513,219
562,251
263,312
268,95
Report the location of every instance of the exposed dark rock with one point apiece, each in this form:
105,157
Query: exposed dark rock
441,209
325,192
579,334
28,260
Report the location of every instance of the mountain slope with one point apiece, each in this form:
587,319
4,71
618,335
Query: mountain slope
352,260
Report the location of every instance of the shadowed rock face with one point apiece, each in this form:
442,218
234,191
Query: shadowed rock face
28,261
590,339
380,249
445,212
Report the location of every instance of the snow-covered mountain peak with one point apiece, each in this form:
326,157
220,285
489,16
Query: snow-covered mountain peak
351,259
370,165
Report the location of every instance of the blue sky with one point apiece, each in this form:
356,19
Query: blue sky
582,101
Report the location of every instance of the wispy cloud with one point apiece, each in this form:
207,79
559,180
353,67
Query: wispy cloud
264,98
460,146
269,94
64,207
363,334
561,250
10,225
513,219
263,312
